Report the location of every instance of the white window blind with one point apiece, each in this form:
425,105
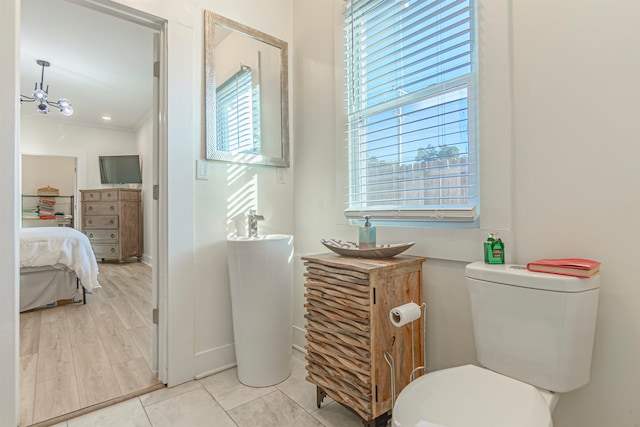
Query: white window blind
411,109
237,128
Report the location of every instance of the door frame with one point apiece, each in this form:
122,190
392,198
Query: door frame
9,217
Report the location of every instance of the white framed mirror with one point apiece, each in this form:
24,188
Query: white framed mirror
246,94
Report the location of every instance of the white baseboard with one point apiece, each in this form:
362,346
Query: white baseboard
214,360
299,340
146,259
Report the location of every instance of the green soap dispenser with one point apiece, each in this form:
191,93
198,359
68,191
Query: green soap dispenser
367,236
494,249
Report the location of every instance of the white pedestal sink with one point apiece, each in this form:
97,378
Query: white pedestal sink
261,279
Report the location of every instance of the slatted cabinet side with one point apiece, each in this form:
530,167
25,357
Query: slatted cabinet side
348,328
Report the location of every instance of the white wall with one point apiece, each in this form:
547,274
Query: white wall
558,82
576,152
44,170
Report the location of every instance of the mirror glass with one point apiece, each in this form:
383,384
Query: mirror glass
246,94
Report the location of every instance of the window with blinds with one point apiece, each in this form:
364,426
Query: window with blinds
411,109
238,117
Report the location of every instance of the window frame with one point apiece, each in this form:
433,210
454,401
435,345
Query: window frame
454,216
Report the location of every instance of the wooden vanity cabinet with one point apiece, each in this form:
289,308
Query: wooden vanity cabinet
348,329
112,220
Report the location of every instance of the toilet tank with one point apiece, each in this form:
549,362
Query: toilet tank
535,327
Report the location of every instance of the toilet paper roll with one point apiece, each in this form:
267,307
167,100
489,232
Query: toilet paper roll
404,314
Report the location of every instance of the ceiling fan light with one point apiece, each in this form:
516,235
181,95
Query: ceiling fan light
40,95
64,103
42,108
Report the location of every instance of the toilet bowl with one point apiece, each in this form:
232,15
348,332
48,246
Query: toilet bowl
470,396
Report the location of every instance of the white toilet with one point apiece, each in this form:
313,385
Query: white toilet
534,338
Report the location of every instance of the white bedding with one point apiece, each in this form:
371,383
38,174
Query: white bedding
60,247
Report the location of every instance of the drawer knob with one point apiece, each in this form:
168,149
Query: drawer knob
111,222
90,234
113,236
108,194
90,221
113,249
112,207
90,208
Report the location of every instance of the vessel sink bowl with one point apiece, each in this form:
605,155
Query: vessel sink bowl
261,281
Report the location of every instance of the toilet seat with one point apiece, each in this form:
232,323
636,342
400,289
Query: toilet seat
470,396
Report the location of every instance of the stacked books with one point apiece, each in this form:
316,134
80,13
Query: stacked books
577,267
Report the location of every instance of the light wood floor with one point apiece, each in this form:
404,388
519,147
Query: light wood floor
76,356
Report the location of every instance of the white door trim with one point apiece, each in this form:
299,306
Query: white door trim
9,215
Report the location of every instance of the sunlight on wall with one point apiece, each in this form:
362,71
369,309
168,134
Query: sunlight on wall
243,185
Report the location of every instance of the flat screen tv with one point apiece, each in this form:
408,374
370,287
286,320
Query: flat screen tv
120,169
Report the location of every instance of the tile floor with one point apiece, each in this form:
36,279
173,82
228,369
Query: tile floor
220,400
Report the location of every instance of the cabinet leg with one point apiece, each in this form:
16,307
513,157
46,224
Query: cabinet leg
320,395
380,421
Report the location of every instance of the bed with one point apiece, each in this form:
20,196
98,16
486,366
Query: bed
55,264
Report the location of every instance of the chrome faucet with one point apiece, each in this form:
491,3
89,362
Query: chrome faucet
253,222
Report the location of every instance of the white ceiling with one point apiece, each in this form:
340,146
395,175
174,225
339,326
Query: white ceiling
102,64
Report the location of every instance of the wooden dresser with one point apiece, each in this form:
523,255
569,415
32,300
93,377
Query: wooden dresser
112,220
349,330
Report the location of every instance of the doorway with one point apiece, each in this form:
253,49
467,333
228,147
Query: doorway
150,129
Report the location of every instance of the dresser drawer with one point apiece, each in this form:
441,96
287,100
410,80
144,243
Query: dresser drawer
88,196
105,251
100,196
109,196
102,236
100,208
100,221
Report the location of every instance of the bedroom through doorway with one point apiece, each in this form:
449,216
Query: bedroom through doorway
78,357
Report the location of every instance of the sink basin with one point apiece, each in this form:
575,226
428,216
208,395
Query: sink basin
261,280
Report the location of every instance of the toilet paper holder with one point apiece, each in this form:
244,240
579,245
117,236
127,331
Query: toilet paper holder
389,358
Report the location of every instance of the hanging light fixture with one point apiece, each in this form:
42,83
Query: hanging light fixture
40,95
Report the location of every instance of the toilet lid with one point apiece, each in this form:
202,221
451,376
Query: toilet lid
469,396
